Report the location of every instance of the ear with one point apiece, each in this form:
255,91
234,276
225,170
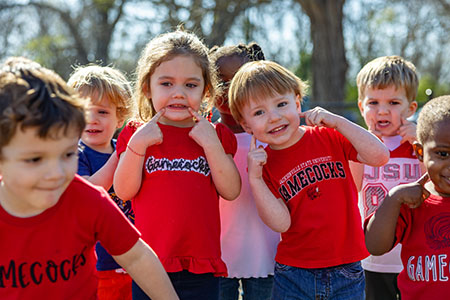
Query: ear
120,123
412,108
361,107
146,89
298,103
418,149
246,127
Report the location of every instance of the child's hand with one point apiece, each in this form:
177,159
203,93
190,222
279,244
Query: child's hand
320,117
149,134
407,131
412,194
256,159
203,132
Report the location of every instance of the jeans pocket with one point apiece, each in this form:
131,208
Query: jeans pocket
352,270
282,268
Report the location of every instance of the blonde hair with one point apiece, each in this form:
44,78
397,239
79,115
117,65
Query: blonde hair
164,48
261,79
434,111
106,81
385,71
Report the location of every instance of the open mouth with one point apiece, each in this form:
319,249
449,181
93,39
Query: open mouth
278,129
92,131
383,124
177,106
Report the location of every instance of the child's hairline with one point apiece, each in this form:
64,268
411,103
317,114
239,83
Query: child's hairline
362,90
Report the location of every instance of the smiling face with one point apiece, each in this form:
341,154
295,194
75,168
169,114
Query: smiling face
102,122
435,155
176,85
384,109
273,120
34,178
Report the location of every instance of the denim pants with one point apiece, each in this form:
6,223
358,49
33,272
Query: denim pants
189,286
343,282
252,288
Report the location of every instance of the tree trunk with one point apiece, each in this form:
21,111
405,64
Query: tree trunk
329,65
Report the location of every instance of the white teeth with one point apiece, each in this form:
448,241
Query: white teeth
277,129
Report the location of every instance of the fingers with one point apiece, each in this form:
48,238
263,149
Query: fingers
253,143
159,114
195,114
422,180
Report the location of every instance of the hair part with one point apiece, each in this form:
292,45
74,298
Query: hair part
434,111
32,96
261,79
385,71
106,82
164,48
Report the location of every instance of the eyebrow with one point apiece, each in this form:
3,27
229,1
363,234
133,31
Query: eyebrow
187,79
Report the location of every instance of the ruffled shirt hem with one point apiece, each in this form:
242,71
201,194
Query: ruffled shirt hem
195,265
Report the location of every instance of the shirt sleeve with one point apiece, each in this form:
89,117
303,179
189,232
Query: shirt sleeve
227,138
348,148
84,167
125,135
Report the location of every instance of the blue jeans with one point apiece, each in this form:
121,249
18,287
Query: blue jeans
252,288
342,282
189,286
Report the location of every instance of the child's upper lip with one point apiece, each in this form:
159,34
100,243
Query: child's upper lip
278,128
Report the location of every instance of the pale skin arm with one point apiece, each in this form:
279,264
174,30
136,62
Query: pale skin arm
128,175
371,150
146,270
357,170
104,176
272,211
224,172
380,231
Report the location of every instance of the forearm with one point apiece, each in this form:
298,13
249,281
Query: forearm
105,175
370,149
146,270
357,170
272,211
380,231
128,175
224,173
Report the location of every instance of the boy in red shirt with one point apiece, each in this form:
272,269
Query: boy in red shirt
50,218
302,183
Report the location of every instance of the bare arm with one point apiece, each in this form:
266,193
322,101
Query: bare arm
104,176
223,169
380,231
357,170
371,150
272,211
128,175
145,268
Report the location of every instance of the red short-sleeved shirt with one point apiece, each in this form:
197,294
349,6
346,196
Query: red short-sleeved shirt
177,206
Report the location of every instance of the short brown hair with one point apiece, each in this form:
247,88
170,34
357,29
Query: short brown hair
106,81
385,71
260,79
434,111
33,96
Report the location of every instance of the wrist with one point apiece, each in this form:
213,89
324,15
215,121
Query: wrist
135,152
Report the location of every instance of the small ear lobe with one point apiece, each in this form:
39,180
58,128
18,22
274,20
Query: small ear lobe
412,108
418,149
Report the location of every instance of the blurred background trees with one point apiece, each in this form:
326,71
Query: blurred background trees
324,41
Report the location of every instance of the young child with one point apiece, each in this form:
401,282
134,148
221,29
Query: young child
417,214
109,103
302,183
175,165
50,218
248,245
387,89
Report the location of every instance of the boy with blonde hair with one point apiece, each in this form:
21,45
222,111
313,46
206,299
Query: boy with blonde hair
50,218
109,103
302,183
387,89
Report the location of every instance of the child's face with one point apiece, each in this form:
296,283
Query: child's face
436,158
101,124
35,172
273,120
227,67
176,85
384,109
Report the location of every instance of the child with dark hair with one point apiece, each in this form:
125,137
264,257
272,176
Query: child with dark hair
248,245
417,215
51,218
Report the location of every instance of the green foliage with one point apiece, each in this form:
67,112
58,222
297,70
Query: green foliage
304,70
426,82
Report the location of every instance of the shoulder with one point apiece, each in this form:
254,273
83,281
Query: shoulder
86,190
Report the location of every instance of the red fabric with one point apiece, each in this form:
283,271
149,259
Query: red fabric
114,286
51,255
314,179
424,233
177,207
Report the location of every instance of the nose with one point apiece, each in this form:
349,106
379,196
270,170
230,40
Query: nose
55,171
90,117
382,109
178,92
274,116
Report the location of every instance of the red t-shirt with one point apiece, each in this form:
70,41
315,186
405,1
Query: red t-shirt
314,180
51,255
177,206
424,233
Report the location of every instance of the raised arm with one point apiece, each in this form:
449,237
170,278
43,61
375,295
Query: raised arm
223,169
380,230
272,211
370,149
146,270
128,175
105,175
